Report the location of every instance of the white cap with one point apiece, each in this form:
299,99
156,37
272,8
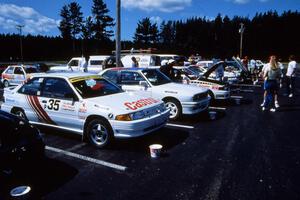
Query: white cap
171,61
164,62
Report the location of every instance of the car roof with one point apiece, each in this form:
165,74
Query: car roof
129,69
65,75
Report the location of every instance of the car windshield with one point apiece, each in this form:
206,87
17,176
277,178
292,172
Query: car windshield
89,87
156,77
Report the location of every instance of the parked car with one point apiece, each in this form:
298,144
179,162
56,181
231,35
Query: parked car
219,90
17,74
19,142
86,104
179,99
76,64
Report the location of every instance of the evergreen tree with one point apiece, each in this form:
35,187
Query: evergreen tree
65,23
76,19
167,33
146,33
87,28
101,21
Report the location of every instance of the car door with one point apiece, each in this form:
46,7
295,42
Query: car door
133,81
19,76
60,103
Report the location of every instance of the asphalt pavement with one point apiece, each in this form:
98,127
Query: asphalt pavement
244,153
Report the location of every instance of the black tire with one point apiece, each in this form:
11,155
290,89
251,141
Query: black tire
211,94
19,112
5,83
99,133
175,108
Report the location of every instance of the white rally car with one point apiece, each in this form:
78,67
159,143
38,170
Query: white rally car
179,98
86,104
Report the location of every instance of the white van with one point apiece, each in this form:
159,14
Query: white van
144,60
95,63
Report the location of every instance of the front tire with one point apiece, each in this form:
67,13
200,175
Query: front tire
20,113
99,133
174,107
5,83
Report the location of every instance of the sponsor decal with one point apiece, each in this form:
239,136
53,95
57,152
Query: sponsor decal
68,107
39,110
83,78
83,108
7,76
140,103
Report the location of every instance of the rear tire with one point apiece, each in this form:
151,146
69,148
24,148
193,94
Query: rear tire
99,133
174,107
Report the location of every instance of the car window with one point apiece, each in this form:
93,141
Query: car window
56,88
10,70
156,77
30,70
73,63
131,78
18,70
94,87
96,62
32,87
111,75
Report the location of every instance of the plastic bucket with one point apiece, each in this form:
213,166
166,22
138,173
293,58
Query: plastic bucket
155,150
20,192
212,115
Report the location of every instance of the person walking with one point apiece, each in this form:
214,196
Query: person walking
271,75
290,76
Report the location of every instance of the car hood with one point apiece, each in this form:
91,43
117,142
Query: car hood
182,89
125,102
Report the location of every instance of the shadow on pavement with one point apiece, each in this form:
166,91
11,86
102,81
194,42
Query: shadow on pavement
43,177
167,137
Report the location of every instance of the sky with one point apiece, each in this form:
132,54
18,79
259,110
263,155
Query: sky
42,16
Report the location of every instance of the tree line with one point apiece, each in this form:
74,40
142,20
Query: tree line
266,33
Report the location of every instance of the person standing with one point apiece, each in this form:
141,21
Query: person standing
271,75
135,63
290,76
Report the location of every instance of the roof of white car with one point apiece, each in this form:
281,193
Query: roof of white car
65,75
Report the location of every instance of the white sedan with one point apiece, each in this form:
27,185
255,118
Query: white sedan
85,104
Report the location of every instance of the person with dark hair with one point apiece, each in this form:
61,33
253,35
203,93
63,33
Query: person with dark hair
135,63
290,76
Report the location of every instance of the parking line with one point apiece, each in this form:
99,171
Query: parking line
236,97
216,108
179,125
86,158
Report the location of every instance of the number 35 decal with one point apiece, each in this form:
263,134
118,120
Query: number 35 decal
53,104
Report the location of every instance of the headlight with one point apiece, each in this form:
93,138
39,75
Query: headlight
126,117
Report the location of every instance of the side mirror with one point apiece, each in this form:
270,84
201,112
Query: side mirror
144,84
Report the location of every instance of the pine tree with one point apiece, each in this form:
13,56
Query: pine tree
101,21
87,28
146,33
76,19
65,23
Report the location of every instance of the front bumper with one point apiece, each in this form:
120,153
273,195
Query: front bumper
195,107
136,128
221,94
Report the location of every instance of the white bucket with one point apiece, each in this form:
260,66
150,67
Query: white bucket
20,191
155,150
212,115
237,101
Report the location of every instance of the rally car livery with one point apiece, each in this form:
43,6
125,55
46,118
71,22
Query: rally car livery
179,98
219,90
86,104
